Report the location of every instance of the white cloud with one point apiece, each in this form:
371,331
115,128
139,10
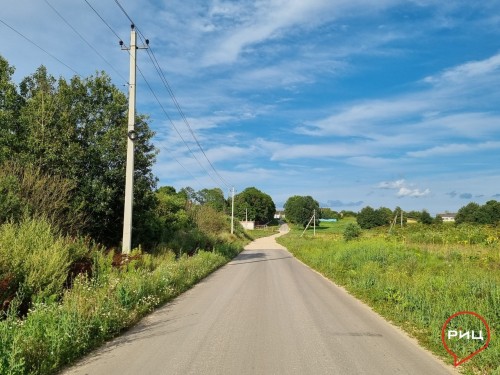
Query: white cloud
404,188
315,151
392,184
455,149
416,193
258,22
466,72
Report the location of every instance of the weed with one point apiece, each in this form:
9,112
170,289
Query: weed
416,278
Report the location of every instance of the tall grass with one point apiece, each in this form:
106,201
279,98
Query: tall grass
35,259
63,324
416,286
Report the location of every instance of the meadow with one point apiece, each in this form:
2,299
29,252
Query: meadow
416,277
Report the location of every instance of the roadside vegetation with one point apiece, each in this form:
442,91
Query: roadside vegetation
416,276
65,288
63,297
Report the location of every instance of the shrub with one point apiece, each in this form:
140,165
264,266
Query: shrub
209,221
25,189
352,231
35,259
11,206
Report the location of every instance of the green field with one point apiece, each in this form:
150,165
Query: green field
416,277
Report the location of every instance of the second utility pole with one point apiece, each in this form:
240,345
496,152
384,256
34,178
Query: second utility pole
131,137
232,211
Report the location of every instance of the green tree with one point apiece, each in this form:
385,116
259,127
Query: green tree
347,213
171,212
77,130
328,213
385,215
468,213
369,218
489,213
11,138
426,218
257,205
300,209
213,198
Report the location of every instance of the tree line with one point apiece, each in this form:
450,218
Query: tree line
63,156
300,210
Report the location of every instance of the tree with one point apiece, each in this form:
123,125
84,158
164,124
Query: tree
328,213
489,213
10,105
255,204
468,213
171,212
300,209
385,215
426,218
77,130
370,218
213,198
347,213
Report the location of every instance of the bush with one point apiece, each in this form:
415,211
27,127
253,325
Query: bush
26,190
96,309
11,206
351,232
209,221
34,260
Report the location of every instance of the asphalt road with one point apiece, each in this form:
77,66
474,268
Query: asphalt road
263,313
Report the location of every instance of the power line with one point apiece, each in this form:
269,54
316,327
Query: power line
124,12
181,112
175,128
154,94
40,48
85,40
172,95
103,20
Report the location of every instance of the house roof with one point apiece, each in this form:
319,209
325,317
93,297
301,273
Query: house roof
448,214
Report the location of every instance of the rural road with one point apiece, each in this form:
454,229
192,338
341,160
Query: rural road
262,313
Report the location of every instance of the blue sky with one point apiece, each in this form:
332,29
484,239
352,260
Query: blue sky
354,102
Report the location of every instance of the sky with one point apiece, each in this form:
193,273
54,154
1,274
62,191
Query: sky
353,102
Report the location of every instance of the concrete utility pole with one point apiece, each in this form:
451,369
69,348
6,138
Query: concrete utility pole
232,211
314,223
131,137
309,223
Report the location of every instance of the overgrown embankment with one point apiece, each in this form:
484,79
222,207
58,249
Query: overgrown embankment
416,278
49,320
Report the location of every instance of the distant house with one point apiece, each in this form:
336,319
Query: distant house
448,217
279,215
248,225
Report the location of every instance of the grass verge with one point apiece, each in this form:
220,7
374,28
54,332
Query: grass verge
62,324
416,286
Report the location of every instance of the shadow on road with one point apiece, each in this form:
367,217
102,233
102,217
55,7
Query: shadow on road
249,257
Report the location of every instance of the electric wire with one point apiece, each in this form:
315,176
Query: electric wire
124,11
172,95
40,48
156,97
103,20
85,40
175,128
181,112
